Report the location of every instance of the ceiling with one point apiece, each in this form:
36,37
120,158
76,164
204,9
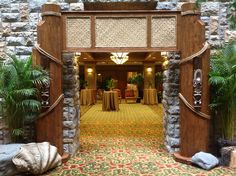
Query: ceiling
135,58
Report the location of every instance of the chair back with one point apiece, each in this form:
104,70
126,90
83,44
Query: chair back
118,90
129,93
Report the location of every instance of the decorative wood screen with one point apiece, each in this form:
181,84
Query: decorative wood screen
78,32
109,31
163,31
121,32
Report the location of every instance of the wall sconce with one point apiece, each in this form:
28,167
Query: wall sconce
149,69
76,56
89,70
99,74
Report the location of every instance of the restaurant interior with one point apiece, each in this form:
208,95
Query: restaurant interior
122,77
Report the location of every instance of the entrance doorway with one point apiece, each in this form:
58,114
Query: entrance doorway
157,75
151,31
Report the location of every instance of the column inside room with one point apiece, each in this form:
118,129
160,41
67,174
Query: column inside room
90,75
149,75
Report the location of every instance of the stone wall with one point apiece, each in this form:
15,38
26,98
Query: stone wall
71,109
214,15
18,24
171,103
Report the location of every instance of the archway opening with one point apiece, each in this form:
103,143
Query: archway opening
162,81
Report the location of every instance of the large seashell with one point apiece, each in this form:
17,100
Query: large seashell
37,158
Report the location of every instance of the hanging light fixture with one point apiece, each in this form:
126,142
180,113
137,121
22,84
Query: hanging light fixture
166,61
119,58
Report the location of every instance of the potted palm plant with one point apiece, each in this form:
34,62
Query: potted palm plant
111,84
138,80
20,85
223,94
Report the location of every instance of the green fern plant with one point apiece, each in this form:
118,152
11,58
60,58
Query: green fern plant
223,88
138,79
198,2
19,89
232,16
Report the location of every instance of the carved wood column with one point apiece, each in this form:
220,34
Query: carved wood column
49,127
194,128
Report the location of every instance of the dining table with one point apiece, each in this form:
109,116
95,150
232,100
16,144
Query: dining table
110,101
88,97
150,96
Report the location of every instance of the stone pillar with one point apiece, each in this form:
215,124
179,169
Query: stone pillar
71,109
90,75
171,104
149,75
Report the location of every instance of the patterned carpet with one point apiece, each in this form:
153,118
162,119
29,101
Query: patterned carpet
129,143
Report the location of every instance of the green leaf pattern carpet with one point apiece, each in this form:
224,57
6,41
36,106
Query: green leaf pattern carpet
129,142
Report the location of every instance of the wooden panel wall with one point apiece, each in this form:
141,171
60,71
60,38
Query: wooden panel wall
194,129
145,14
49,128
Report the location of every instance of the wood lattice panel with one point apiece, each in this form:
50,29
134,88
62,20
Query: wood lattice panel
78,32
121,32
163,32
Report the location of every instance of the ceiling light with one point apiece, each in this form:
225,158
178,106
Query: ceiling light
89,70
119,58
149,69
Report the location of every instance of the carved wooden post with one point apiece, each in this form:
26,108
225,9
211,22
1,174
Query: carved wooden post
194,93
49,125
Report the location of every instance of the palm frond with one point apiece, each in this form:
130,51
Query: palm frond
41,82
25,93
198,2
30,105
217,80
18,132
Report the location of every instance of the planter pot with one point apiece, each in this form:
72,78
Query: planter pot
225,143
